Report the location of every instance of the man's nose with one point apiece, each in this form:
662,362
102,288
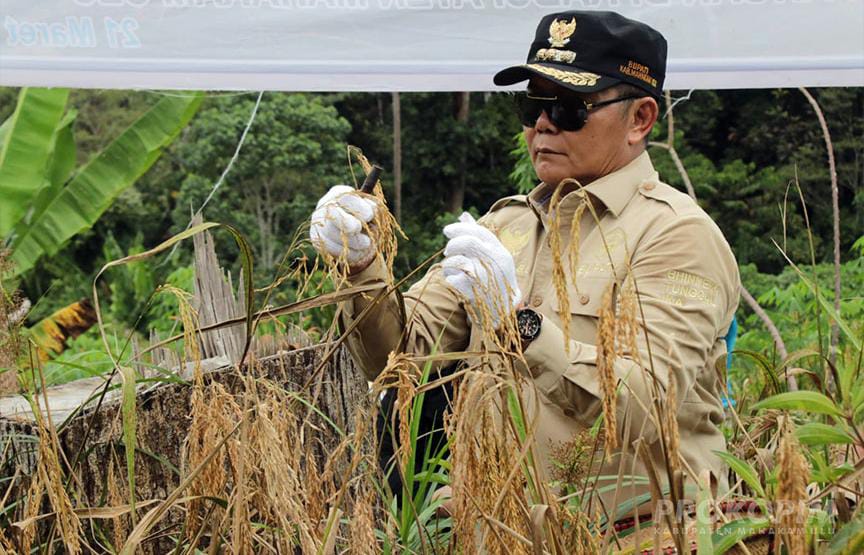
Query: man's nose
544,124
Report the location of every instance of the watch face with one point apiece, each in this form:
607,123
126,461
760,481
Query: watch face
528,323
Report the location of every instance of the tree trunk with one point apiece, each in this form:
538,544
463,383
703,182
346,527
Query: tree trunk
456,197
397,157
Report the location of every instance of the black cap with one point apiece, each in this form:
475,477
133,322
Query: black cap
589,51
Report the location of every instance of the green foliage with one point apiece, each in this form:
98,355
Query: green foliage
797,311
293,152
523,175
75,206
742,149
26,151
413,510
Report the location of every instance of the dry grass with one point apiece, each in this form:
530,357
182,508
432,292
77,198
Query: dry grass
11,317
791,502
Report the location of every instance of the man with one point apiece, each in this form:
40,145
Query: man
595,79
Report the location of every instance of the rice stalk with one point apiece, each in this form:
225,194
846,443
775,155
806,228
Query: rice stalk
576,239
628,320
114,498
50,481
607,353
559,275
362,524
482,456
403,375
670,429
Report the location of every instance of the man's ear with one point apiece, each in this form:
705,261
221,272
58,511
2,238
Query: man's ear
644,114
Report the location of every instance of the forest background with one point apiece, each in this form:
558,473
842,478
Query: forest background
743,149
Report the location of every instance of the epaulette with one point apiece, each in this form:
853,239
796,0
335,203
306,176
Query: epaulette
506,201
679,202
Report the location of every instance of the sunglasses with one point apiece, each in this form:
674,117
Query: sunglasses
566,113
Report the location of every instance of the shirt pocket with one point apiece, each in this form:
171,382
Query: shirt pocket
585,303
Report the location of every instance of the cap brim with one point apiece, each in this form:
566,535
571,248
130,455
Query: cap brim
567,76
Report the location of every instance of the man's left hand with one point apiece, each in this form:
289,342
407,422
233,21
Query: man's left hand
480,268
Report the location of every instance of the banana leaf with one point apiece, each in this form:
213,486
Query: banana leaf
51,334
59,169
28,142
95,186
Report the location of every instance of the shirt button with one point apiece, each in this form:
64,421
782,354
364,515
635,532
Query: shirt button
584,299
649,186
536,300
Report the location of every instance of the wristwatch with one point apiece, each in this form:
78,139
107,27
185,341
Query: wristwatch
528,323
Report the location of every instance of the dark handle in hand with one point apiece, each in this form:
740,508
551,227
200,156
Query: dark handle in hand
371,179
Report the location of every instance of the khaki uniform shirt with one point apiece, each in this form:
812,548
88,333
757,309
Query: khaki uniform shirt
688,286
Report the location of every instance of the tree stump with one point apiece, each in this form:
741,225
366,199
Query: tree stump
163,419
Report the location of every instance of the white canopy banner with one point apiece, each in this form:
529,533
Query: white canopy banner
405,45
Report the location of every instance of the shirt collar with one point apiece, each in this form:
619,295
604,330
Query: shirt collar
614,190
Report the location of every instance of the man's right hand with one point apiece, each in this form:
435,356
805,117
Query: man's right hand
340,226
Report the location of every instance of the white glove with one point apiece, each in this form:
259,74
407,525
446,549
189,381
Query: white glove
337,225
480,268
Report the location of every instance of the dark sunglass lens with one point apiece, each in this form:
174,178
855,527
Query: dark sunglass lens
528,109
569,114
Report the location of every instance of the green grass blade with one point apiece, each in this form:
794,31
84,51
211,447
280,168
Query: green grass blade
744,471
127,409
732,532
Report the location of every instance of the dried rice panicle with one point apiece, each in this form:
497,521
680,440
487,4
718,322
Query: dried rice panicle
607,353
189,319
116,496
362,526
577,534
576,239
628,319
790,503
559,274
50,482
402,374
670,428
277,484
483,455
384,227
214,412
496,316
32,506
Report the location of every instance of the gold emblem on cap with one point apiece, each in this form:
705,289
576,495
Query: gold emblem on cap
560,31
555,55
578,78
